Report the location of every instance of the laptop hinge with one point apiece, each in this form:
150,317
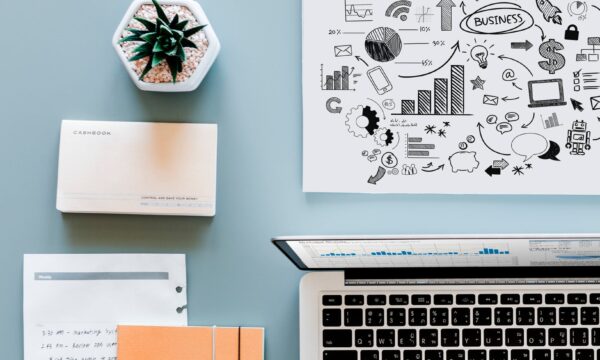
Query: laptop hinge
464,276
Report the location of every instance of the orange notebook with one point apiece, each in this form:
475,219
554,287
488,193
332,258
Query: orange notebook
189,343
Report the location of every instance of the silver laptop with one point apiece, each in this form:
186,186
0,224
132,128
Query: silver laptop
471,297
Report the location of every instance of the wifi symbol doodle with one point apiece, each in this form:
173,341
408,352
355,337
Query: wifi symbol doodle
399,9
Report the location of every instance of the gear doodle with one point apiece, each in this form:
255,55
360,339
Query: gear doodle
362,121
384,137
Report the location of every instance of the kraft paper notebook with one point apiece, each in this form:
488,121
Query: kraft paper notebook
189,343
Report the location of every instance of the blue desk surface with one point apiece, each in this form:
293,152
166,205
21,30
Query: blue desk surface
58,63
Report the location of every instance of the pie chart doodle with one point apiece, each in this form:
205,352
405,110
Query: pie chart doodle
383,44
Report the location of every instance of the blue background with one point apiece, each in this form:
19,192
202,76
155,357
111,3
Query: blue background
58,62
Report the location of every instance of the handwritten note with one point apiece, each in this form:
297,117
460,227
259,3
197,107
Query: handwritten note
77,342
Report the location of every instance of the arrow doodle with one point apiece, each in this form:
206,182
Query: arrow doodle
358,58
502,57
525,126
521,45
373,180
485,143
446,6
455,47
441,167
577,105
542,30
517,86
506,99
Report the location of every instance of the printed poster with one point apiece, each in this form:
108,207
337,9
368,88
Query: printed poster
451,97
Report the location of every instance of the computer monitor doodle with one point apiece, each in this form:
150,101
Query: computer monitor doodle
544,93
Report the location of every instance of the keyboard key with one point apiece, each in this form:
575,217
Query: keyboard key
407,338
536,337
552,299
421,299
541,355
450,337
434,355
369,355
398,300
515,337
386,338
557,337
353,317
340,355
492,337
510,299
332,317
476,355
567,316
519,355
580,337
363,338
428,338
546,316
396,317
337,338
471,337
443,299
390,355
438,317
595,299
596,337
584,354
498,354
482,316
488,299
455,355
461,316
376,300
589,316
532,299
332,300
577,299
417,317
465,299
413,355
563,354
354,300
503,316
525,316
374,317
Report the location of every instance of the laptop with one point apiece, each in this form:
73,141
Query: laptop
545,93
459,297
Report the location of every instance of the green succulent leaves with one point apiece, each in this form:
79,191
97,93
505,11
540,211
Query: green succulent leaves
162,41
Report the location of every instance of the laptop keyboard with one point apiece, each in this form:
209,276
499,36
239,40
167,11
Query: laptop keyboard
461,326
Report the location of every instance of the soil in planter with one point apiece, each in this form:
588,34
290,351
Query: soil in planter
161,73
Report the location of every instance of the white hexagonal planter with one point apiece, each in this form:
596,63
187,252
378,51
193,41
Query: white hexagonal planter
193,81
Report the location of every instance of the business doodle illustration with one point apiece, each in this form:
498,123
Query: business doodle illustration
450,96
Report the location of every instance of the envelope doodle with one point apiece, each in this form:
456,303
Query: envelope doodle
451,97
343,50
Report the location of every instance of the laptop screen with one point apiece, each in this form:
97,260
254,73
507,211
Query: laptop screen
436,252
543,91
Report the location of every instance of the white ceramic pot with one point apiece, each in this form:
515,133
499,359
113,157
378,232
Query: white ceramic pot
192,83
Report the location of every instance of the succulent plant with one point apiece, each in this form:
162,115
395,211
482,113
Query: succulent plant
164,40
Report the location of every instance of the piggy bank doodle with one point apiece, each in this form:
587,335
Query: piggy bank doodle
464,161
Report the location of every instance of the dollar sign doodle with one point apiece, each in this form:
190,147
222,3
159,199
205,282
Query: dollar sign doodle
390,161
556,61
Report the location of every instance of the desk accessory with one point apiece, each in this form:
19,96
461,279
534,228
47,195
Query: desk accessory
137,168
199,343
166,45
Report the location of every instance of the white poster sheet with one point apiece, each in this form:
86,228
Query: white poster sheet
451,97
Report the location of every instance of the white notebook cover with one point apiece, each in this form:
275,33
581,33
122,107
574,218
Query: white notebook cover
137,168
